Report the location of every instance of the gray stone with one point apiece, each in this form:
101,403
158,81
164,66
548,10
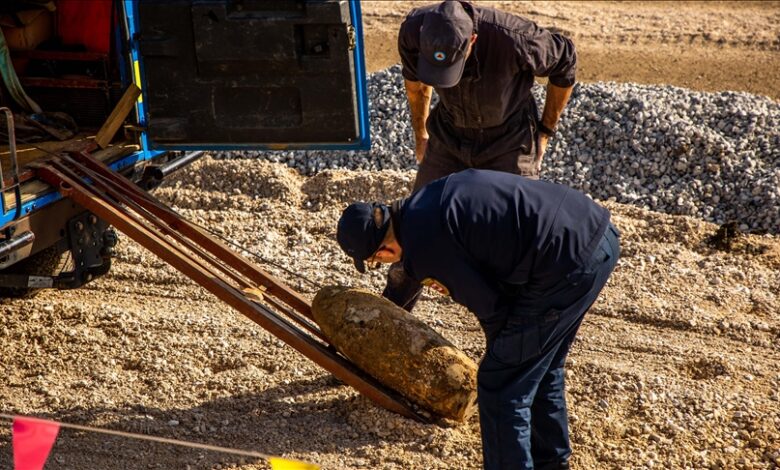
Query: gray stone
671,141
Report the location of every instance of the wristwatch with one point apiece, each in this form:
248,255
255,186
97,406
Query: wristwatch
545,130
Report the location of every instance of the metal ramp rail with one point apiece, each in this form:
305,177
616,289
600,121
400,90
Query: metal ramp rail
210,263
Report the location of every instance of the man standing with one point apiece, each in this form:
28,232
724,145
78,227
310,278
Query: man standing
482,63
528,258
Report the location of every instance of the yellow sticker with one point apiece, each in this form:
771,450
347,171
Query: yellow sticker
137,70
284,464
435,285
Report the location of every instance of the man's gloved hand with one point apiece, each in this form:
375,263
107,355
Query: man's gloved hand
401,289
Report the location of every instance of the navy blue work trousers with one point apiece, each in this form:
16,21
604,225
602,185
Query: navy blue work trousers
521,399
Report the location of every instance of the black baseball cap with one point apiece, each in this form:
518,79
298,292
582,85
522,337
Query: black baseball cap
358,233
444,39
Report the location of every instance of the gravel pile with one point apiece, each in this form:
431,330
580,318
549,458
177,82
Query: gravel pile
715,156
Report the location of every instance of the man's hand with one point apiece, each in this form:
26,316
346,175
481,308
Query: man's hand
419,95
541,145
420,144
557,97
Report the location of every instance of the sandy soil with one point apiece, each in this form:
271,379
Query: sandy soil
709,46
676,366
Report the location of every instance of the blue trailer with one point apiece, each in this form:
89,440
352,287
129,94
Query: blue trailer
213,75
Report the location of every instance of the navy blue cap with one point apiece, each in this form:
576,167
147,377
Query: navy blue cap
358,233
444,39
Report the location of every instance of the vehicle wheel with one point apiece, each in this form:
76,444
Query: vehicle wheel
48,262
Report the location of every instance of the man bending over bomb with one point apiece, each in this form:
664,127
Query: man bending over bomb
528,258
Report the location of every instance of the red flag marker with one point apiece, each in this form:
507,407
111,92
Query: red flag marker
32,442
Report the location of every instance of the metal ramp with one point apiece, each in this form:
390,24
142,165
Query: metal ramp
210,263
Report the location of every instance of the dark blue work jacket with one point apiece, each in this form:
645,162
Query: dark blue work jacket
483,234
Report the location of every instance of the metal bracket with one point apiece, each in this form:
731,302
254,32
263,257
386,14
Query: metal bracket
91,242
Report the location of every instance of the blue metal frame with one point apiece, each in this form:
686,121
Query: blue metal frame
137,74
361,76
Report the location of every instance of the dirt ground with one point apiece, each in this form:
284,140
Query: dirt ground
710,46
676,366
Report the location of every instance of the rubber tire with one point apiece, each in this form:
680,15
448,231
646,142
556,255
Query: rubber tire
48,262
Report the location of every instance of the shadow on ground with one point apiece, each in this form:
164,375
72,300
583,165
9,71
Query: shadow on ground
273,422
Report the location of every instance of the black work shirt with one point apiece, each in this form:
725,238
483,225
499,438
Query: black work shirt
499,73
481,233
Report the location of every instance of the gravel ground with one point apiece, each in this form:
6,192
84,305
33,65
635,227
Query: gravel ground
675,367
715,156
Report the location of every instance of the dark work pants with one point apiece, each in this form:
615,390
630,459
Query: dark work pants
508,148
485,149
522,405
